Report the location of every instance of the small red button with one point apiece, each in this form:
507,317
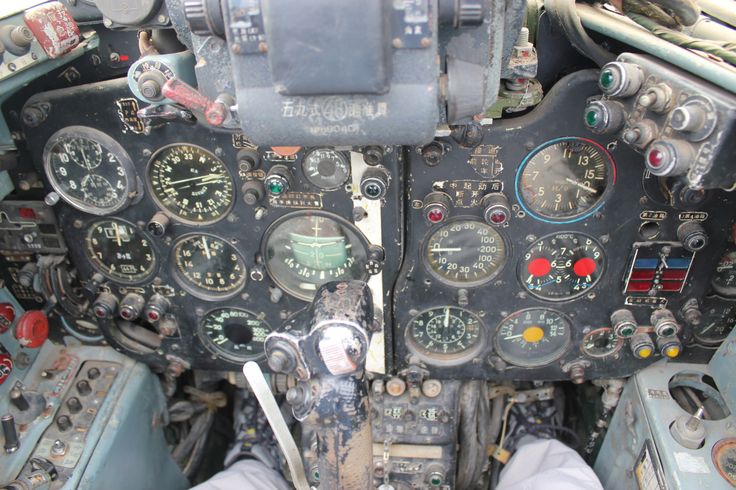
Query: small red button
32,329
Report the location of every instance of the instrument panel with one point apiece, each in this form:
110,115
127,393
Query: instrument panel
539,252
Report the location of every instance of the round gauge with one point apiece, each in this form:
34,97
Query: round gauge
120,251
90,170
724,458
601,343
445,335
561,266
235,334
533,337
306,249
565,180
208,267
724,280
191,184
325,168
465,253
717,320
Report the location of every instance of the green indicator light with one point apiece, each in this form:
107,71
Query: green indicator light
607,79
275,187
627,332
435,481
591,118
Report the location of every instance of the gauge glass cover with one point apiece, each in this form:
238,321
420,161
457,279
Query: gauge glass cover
235,334
325,168
208,267
565,180
445,335
90,170
465,253
562,266
190,184
724,279
533,337
602,342
120,251
718,318
306,249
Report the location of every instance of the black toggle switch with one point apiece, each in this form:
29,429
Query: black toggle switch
64,423
74,405
83,387
19,400
93,373
12,443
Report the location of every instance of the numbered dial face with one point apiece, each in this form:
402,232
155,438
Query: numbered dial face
724,280
208,267
120,251
465,253
445,336
235,334
565,180
306,249
89,170
717,320
326,168
601,343
533,337
562,266
191,184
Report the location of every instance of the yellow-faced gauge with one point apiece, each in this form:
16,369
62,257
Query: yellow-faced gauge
190,184
565,180
208,267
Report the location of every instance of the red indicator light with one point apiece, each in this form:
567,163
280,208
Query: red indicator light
584,267
124,57
655,158
498,217
539,267
642,275
637,287
27,213
153,316
435,215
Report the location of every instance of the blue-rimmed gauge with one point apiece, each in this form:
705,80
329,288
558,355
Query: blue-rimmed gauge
565,180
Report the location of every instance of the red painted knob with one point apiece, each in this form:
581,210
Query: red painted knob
32,329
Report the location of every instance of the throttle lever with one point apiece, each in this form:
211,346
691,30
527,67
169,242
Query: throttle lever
215,111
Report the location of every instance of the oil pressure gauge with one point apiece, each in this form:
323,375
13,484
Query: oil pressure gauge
533,337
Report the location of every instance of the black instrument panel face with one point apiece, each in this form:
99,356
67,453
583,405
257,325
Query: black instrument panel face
187,240
527,296
584,239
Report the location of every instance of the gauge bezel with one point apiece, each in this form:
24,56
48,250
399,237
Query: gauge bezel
615,350
729,292
340,154
208,343
705,342
453,221
308,212
610,182
544,361
438,358
133,187
156,263
195,290
159,204
521,261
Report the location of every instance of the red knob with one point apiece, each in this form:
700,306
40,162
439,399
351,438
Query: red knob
7,315
32,329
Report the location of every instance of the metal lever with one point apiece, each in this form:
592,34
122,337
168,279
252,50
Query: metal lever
259,385
215,111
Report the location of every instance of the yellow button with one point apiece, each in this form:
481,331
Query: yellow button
645,352
533,334
672,352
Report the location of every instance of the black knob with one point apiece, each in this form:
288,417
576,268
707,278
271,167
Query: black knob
12,443
372,155
63,423
83,387
248,160
374,183
692,236
432,153
93,373
253,192
19,400
74,405
158,224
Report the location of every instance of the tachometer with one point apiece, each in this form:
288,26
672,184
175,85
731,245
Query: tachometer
191,184
90,170
120,251
565,180
445,336
465,253
533,337
562,266
208,267
235,334
306,249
